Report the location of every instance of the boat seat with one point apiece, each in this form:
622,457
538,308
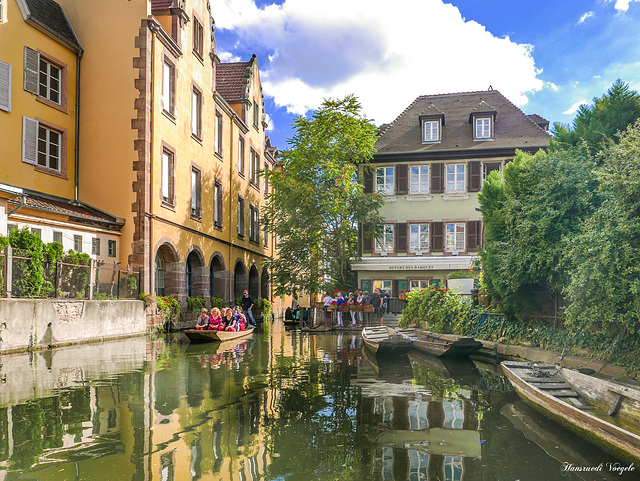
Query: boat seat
551,385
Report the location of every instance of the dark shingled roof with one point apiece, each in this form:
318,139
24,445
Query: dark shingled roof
231,80
513,129
51,16
541,121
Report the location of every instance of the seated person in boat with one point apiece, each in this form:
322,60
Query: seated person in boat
288,315
241,323
202,322
215,322
230,322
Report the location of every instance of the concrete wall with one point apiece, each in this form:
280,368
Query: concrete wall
39,323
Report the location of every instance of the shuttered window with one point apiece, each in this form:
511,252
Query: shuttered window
29,140
31,70
50,81
402,179
474,235
49,148
455,237
437,239
475,176
368,180
437,178
401,238
5,85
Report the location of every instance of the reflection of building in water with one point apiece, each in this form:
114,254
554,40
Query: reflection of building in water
423,437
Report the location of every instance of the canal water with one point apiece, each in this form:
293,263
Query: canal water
284,405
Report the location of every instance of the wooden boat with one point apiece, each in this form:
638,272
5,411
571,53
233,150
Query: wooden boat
565,396
200,335
434,345
384,340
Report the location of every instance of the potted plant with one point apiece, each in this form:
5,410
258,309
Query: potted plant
461,282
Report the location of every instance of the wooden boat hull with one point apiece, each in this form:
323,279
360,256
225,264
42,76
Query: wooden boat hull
384,341
613,439
434,345
198,335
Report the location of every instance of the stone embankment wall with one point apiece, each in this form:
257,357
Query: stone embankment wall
43,323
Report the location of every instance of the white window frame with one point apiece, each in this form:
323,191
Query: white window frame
418,284
46,81
482,128
383,285
387,175
112,248
419,237
46,153
455,233
196,112
419,181
219,126
168,162
196,193
217,187
168,87
455,180
241,155
77,243
431,131
387,242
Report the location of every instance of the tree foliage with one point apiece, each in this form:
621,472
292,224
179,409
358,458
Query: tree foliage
604,120
605,282
317,202
531,213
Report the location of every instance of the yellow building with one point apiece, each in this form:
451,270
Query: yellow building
39,59
162,148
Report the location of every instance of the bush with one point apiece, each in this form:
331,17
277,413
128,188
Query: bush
464,274
194,304
437,308
217,302
170,311
266,308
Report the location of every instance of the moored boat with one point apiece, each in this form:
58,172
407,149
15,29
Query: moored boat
435,345
565,396
201,335
384,340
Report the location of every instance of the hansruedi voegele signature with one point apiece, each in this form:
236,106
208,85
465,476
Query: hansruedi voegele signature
611,467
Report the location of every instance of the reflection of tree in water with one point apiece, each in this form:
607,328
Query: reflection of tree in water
436,382
314,432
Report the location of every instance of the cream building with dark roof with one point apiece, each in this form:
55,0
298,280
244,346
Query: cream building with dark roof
430,164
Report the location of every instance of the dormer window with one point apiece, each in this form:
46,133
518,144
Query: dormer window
483,128
431,122
431,131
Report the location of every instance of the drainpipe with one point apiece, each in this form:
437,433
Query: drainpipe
23,202
77,139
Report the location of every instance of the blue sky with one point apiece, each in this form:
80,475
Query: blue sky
546,56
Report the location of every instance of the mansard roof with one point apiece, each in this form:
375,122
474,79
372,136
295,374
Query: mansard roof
512,128
48,15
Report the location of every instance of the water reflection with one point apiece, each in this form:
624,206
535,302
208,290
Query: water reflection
288,405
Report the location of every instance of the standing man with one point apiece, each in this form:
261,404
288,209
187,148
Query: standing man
376,302
247,305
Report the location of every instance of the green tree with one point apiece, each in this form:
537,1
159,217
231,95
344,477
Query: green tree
317,202
606,118
531,214
605,284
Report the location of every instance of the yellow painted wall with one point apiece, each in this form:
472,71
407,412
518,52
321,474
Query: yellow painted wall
107,32
15,34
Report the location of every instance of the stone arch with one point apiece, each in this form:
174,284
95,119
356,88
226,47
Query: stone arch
254,282
264,283
196,274
240,278
167,275
218,277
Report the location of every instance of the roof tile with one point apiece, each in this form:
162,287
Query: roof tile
231,80
51,15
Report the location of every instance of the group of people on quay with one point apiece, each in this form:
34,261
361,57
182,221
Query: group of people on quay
358,298
226,319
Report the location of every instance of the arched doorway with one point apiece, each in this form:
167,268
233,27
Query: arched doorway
254,282
167,277
196,276
217,284
264,283
239,279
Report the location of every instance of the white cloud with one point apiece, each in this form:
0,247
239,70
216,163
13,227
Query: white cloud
585,16
622,5
386,53
574,108
227,56
269,120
